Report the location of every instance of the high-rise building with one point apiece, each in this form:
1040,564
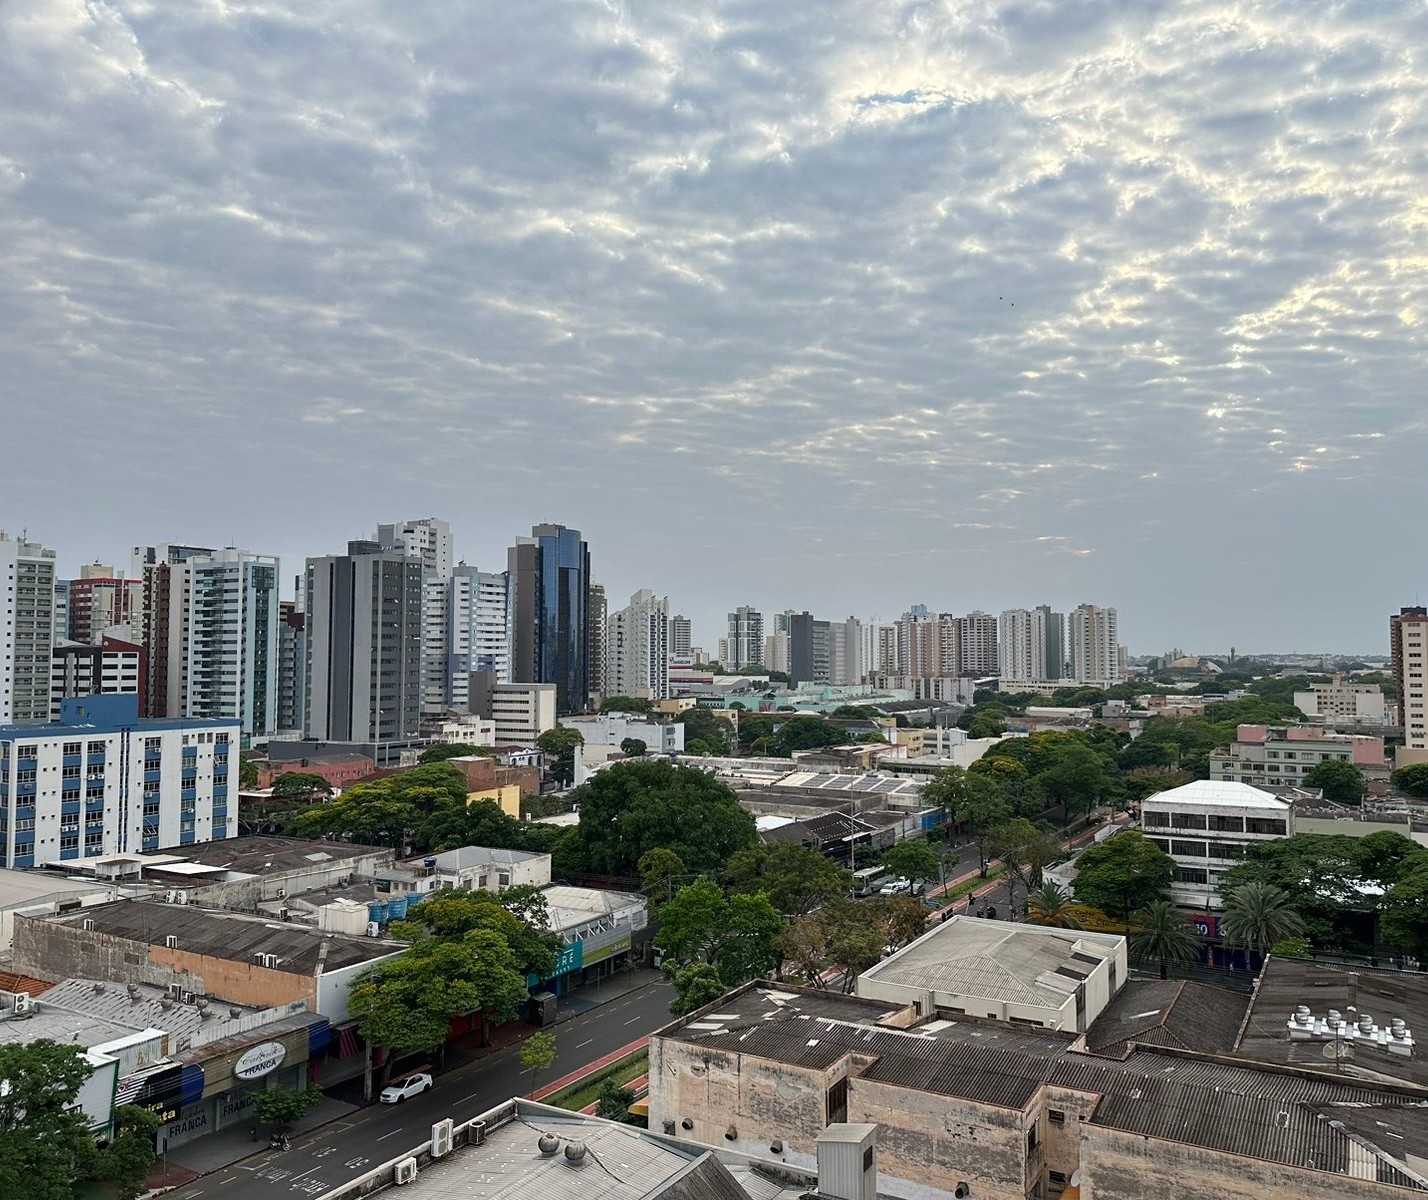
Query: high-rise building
637,648
102,781
62,611
1051,629
880,648
27,571
165,623
596,619
100,599
113,667
1095,648
810,650
550,598
232,644
744,645
1021,657
929,646
977,644
292,664
428,539
477,636
1408,641
364,645
846,665
681,637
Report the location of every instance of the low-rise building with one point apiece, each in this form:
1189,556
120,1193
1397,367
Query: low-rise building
609,730
1207,826
989,1110
521,711
1269,755
471,867
208,953
1026,974
1343,701
102,781
600,931
42,894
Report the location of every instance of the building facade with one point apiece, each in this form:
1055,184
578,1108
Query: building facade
744,642
1051,629
232,644
112,668
977,644
1281,755
160,570
27,572
364,645
521,711
1342,701
846,664
100,599
103,781
292,665
1408,637
477,635
637,648
810,649
596,621
550,596
1095,647
1017,649
428,540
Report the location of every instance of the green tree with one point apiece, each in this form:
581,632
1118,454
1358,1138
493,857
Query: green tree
1343,783
300,786
646,804
704,732
367,813
446,750
1257,915
559,745
1124,873
614,1101
626,704
283,1107
453,824
1050,905
45,1144
660,874
1162,933
1024,849
1412,780
537,1055
901,918
1296,947
125,1162
519,918
695,986
633,747
854,943
1404,923
795,879
1078,782
247,774
913,859
736,935
975,801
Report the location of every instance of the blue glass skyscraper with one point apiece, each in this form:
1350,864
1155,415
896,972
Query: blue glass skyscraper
550,593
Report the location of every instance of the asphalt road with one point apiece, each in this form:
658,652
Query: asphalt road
342,1150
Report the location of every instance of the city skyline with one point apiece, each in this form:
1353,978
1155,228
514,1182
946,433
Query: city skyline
855,304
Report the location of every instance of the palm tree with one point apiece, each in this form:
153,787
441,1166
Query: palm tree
1162,932
1258,915
1050,904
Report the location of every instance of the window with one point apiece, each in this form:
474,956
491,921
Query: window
836,1107
1188,849
1192,875
1156,820
1187,820
1056,1116
1265,825
1032,1138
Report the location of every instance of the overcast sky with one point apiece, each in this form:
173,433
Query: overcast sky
846,306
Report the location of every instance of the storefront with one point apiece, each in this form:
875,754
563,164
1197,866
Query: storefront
214,1087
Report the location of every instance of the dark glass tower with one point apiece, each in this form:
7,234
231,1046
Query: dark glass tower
550,594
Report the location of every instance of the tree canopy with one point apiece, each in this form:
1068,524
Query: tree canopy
1412,780
735,935
913,859
1343,783
300,785
794,878
1124,873
445,750
626,704
559,746
643,804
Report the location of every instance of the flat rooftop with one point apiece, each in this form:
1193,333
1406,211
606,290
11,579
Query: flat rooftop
1286,983
24,887
261,853
227,935
997,960
1256,1111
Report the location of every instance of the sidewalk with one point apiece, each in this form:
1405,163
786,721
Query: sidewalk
228,1146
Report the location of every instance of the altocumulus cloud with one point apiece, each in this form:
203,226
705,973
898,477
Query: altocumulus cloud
1088,301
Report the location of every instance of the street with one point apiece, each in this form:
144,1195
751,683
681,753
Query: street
335,1153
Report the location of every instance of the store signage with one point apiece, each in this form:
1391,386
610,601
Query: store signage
260,1060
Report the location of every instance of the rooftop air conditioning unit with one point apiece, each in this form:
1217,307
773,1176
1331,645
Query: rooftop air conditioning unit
441,1138
180,897
406,1171
22,1003
373,929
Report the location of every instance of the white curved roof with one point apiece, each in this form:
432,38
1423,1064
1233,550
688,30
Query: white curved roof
1218,791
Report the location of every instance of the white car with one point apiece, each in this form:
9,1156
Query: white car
406,1085
896,887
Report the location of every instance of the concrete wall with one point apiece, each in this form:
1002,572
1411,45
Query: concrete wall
244,895
1127,1166
47,906
333,988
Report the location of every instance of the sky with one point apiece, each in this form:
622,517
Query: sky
844,306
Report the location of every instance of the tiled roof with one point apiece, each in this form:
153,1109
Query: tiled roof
12,982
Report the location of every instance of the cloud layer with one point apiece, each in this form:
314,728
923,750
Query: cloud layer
848,305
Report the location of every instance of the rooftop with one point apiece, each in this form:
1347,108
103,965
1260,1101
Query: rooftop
25,887
260,853
874,783
229,935
145,1007
1219,792
997,960
1168,1012
1285,983
1255,1111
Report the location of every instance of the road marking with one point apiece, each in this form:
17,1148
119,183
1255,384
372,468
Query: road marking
305,1174
632,1020
585,1043
472,1096
385,1136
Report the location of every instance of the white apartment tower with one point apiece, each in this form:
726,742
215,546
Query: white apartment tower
977,644
637,648
744,646
232,645
1408,638
27,571
1019,652
428,539
880,648
681,638
846,664
478,632
1095,650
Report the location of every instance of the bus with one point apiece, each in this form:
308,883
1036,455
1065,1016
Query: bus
870,880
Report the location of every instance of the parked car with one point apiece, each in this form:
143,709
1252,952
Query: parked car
896,887
406,1085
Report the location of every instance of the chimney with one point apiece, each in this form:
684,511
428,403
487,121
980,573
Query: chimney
848,1162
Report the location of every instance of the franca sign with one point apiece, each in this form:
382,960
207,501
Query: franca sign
260,1060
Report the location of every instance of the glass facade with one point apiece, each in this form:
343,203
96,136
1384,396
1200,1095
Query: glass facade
562,634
